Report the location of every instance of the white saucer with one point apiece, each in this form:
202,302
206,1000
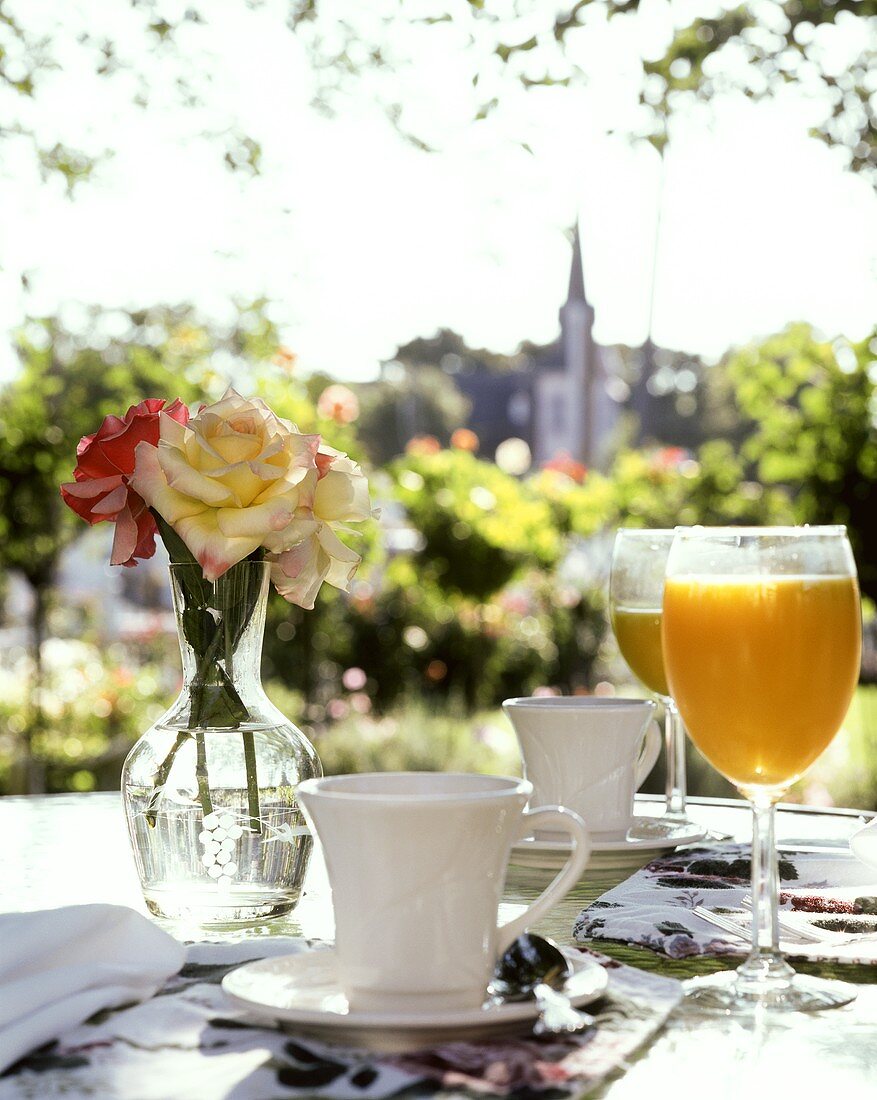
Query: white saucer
626,853
303,990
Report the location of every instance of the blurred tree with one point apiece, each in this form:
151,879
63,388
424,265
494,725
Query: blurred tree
448,351
68,383
811,409
415,401
757,46
779,43
36,49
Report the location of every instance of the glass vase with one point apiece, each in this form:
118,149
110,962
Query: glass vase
209,789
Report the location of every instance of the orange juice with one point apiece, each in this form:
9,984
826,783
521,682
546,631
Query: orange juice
638,631
762,668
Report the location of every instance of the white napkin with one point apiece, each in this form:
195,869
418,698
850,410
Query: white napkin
60,966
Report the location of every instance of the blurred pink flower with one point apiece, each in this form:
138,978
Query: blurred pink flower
423,445
564,463
353,679
360,703
464,439
338,403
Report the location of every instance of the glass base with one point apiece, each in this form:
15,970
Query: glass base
727,994
206,906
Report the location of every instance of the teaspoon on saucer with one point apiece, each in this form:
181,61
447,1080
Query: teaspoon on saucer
533,967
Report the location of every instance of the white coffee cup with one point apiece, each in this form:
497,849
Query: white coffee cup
588,754
417,865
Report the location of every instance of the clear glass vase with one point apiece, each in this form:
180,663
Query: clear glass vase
209,789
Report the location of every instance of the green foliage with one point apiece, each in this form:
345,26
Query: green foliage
479,525
811,408
663,487
783,43
421,402
95,702
417,738
67,384
31,52
847,772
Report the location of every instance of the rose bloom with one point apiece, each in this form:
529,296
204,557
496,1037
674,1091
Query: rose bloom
309,551
101,489
232,476
237,478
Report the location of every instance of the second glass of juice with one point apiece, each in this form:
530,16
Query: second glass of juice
636,592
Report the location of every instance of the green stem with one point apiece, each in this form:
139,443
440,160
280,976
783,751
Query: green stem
201,773
161,778
253,806
213,693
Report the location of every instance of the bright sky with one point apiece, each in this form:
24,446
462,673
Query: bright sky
363,242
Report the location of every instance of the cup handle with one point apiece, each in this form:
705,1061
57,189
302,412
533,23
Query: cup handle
649,753
567,821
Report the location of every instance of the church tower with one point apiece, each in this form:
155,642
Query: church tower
580,362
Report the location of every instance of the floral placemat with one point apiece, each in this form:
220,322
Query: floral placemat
829,890
189,1041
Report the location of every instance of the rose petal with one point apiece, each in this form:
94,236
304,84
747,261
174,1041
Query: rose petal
185,479
150,482
343,562
298,573
214,551
273,516
82,496
302,526
342,496
125,538
113,502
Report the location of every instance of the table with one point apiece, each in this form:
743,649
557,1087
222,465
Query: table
72,849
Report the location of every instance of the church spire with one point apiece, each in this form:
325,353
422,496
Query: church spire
576,273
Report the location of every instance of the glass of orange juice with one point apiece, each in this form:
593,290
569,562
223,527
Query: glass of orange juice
762,646
636,591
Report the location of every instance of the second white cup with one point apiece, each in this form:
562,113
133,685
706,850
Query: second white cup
588,754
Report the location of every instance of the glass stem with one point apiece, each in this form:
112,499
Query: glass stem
674,734
765,968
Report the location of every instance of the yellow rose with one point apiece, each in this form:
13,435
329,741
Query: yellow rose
229,480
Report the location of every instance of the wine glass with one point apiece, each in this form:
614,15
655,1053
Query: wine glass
636,590
762,646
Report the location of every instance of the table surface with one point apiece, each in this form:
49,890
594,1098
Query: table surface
73,849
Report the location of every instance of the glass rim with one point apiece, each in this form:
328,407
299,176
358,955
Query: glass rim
643,531
788,531
377,788
576,702
263,564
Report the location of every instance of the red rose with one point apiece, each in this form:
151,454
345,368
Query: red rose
105,461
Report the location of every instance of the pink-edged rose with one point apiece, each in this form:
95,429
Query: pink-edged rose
229,479
309,551
102,486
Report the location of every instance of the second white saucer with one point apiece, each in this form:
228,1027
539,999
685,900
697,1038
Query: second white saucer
627,853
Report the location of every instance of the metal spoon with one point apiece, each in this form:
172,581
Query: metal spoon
534,967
